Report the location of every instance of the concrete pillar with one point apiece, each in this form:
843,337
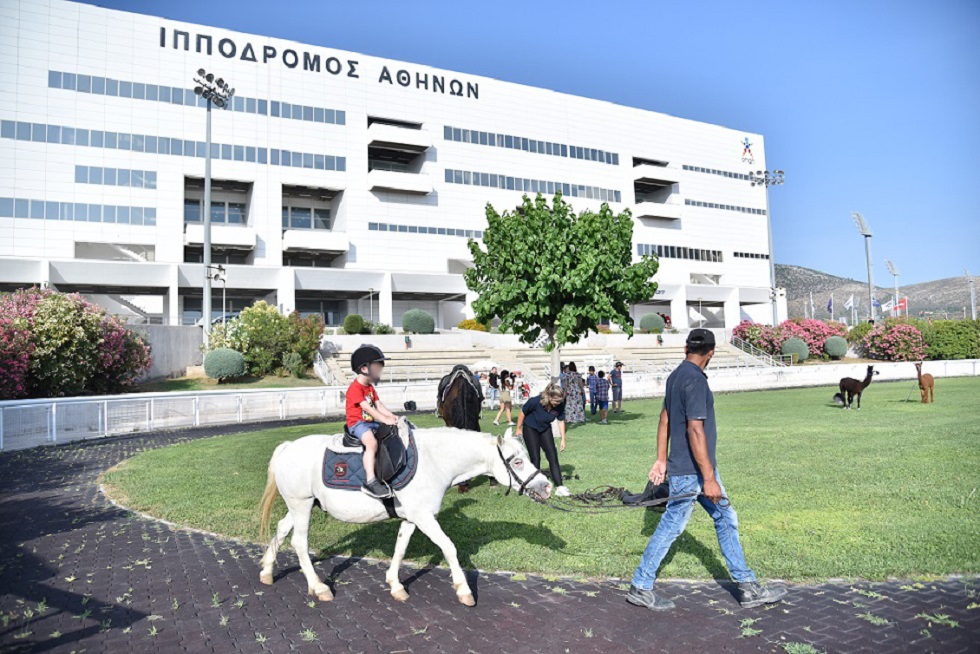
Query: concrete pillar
732,309
286,294
385,301
468,312
678,309
171,301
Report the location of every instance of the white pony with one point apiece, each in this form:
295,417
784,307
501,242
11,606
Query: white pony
446,457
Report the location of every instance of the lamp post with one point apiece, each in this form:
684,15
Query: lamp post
893,271
769,178
973,294
371,302
865,231
214,91
217,273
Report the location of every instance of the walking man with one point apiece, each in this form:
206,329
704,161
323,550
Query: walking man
616,383
687,425
494,382
590,381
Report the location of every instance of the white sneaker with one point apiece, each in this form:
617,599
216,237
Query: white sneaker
562,491
511,423
496,423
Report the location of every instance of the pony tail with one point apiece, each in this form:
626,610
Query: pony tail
269,496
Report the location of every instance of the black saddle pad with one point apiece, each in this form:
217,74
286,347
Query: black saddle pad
345,470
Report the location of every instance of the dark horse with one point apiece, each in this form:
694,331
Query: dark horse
851,388
459,401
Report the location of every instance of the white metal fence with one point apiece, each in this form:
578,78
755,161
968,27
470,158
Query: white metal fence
27,423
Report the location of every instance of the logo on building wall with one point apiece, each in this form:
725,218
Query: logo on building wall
747,151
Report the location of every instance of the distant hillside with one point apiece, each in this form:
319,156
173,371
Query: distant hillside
943,295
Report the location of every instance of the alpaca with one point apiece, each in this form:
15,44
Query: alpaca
927,384
851,388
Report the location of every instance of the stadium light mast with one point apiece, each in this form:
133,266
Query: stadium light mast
893,271
973,294
769,178
865,231
217,92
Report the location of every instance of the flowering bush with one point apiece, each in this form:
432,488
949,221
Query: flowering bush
814,333
472,325
305,335
898,342
264,336
53,344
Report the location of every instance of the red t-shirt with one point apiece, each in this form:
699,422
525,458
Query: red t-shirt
357,393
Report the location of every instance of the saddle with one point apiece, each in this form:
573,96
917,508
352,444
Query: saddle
391,456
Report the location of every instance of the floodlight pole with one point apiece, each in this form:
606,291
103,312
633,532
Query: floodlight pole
865,231
973,294
769,178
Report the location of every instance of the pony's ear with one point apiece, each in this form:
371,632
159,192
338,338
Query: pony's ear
509,433
500,440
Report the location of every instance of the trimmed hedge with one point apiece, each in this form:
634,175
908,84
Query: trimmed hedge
224,363
353,323
953,339
417,321
652,324
796,346
836,347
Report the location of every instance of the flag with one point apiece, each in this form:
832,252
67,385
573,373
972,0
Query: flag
876,302
888,306
830,304
850,302
902,304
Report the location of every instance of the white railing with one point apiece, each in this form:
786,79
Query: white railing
753,351
324,372
27,423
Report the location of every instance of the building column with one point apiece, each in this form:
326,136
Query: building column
171,301
470,298
678,309
733,310
286,294
385,301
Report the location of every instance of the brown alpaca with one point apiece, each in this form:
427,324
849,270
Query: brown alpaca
927,384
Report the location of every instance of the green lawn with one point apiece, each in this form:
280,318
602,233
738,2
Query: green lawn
890,490
197,384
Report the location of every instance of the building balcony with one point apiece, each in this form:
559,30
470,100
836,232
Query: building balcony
389,180
659,175
314,240
398,138
654,211
238,237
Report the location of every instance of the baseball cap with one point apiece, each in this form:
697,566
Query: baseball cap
619,364
699,337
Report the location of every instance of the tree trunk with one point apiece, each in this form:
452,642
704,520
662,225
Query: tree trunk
555,357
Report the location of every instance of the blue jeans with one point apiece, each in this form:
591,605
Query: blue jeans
592,397
362,426
673,522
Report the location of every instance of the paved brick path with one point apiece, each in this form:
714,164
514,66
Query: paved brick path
78,574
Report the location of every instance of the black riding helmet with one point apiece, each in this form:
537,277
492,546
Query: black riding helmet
366,355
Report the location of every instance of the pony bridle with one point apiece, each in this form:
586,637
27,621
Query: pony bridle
512,476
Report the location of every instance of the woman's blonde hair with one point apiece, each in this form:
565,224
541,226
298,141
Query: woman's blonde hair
552,395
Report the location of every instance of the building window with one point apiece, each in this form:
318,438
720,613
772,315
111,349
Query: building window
306,218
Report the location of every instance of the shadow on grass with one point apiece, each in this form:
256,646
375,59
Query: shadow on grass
468,534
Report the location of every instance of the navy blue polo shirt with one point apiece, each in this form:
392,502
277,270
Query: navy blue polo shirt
688,398
538,418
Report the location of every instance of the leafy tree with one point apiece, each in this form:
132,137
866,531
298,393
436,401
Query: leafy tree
548,269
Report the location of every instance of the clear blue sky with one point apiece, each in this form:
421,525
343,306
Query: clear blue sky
869,106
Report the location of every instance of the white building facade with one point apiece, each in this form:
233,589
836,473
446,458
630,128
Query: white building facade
343,183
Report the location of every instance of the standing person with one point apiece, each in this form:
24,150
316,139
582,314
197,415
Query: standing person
506,400
591,380
534,425
616,382
494,381
366,413
602,397
687,425
574,395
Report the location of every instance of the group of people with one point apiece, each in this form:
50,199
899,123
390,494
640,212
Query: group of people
594,390
503,389
685,454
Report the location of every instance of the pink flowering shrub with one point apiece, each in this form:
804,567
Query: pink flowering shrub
770,339
53,344
896,342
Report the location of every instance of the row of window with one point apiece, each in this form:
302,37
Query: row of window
751,255
231,213
306,218
92,213
712,171
421,229
186,96
528,145
726,207
679,252
59,134
307,160
116,177
530,185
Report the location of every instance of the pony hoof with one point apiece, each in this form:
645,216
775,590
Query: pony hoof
399,595
266,578
325,596
466,600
